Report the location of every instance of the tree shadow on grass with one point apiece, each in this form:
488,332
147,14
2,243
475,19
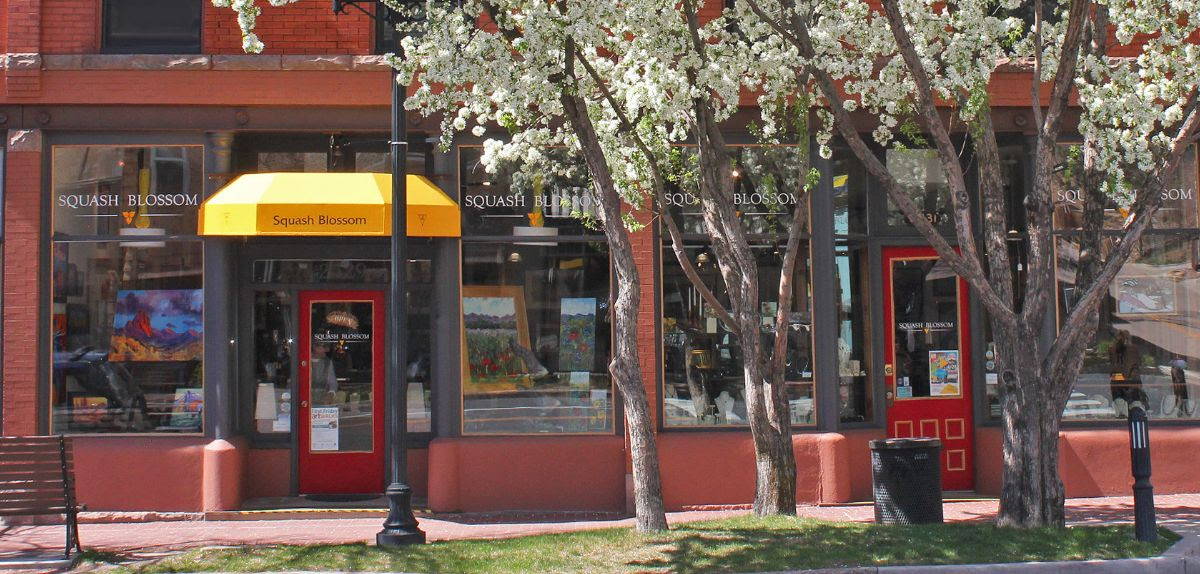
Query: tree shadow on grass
826,545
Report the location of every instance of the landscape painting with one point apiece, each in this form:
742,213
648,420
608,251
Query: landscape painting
158,325
577,334
496,336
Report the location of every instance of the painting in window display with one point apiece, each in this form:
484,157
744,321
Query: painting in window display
128,337
703,373
537,339
1147,345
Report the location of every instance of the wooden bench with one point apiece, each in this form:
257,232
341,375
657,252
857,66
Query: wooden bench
37,478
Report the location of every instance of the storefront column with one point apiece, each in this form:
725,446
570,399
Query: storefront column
824,303
224,457
22,330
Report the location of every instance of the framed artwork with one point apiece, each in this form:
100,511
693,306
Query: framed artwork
158,325
1145,295
577,334
495,338
187,408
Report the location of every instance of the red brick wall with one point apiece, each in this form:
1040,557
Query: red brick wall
21,253
306,27
70,26
643,255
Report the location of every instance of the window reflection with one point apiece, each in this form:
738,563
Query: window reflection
1147,345
537,338
702,360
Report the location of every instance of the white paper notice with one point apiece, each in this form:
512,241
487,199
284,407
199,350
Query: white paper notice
323,423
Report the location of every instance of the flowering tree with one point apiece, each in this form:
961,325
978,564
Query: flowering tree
928,63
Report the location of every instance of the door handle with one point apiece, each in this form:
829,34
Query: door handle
304,404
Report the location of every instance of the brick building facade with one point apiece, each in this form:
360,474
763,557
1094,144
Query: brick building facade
88,115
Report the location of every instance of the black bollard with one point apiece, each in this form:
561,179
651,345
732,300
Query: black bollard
1144,527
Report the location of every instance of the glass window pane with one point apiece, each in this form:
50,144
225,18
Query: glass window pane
768,182
128,337
1147,344
925,340
703,383
920,174
321,271
274,344
510,202
152,26
854,387
341,375
127,191
537,339
1178,210
293,161
849,192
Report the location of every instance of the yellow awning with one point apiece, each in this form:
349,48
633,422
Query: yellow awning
325,204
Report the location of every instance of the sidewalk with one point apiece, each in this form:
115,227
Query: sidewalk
1180,512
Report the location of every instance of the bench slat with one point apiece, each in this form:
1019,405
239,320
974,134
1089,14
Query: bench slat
35,511
29,439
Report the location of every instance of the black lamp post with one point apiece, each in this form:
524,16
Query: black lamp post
400,527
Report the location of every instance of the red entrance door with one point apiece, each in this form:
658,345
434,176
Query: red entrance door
926,363
341,392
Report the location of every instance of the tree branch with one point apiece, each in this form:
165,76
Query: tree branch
1001,311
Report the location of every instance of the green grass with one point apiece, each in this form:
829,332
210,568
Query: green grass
743,544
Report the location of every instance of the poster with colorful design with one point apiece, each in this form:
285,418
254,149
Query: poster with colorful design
944,374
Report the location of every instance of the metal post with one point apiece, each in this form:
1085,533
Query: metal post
400,527
1143,493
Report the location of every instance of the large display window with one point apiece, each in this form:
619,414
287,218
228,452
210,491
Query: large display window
127,287
536,338
703,372
1147,346
128,337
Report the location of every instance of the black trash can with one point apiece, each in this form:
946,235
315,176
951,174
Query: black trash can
906,476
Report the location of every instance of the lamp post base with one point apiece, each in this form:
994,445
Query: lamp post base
400,528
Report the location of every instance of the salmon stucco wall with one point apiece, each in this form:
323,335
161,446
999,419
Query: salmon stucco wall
474,474
140,473
1095,462
717,468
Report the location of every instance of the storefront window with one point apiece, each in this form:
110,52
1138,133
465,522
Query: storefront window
512,203
128,337
849,192
703,377
537,338
853,350
127,290
1178,210
1147,346
920,175
768,182
126,191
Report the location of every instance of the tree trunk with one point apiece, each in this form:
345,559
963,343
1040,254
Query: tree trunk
625,366
1031,494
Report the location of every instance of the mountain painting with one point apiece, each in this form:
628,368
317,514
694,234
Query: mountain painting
158,325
